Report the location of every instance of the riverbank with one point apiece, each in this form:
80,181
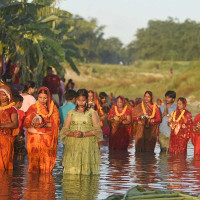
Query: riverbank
132,81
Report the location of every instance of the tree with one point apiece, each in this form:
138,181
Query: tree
29,34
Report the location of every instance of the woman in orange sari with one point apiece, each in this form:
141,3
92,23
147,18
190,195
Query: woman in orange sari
181,128
42,123
147,116
8,128
120,118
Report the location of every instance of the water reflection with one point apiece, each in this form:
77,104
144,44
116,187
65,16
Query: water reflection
40,186
80,187
6,185
120,170
145,166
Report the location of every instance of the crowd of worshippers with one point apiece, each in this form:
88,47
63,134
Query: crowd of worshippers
83,119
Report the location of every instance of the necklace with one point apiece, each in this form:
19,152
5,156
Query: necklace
180,116
8,106
154,110
122,113
50,111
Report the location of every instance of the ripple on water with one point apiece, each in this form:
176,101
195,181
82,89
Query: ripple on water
118,172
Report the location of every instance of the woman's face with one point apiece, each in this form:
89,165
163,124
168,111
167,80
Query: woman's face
180,105
119,103
90,97
42,98
147,98
3,97
81,101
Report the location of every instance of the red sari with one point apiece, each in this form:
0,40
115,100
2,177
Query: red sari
7,135
146,134
42,142
196,136
119,137
180,137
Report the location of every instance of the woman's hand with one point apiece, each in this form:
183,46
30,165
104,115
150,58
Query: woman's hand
37,125
78,134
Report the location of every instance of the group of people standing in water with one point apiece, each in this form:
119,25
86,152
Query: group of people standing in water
84,120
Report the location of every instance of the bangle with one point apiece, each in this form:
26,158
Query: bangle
83,134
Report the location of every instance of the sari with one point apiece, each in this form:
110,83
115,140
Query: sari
42,142
119,137
195,137
146,133
7,135
180,133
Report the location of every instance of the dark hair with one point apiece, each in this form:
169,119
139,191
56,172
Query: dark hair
70,81
41,91
182,99
106,109
91,91
102,95
17,98
133,102
49,68
29,84
70,95
170,94
151,95
83,93
126,99
7,78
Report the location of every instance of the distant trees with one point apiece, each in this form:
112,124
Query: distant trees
167,40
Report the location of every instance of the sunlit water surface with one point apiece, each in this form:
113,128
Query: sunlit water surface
119,171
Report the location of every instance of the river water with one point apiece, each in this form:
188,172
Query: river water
119,171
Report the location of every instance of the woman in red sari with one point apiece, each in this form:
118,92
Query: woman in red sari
147,116
181,128
196,135
8,128
42,123
120,118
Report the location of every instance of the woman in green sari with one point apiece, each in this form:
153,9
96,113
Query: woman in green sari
80,135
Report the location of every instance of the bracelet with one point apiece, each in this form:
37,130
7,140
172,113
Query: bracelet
83,134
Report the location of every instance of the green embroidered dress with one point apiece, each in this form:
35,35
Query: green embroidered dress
81,155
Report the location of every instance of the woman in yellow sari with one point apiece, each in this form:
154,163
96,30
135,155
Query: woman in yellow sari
42,123
8,128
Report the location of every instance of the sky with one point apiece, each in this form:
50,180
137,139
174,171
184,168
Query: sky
123,18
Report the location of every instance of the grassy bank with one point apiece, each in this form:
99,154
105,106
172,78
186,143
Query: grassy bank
132,81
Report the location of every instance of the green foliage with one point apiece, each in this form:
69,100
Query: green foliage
30,33
167,40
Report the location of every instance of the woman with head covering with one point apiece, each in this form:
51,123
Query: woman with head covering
147,116
42,123
80,135
120,118
8,128
181,127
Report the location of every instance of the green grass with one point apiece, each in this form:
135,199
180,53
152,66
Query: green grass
132,81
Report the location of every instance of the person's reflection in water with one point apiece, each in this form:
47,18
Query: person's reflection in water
6,185
163,168
40,187
81,187
196,172
177,171
145,168
119,166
